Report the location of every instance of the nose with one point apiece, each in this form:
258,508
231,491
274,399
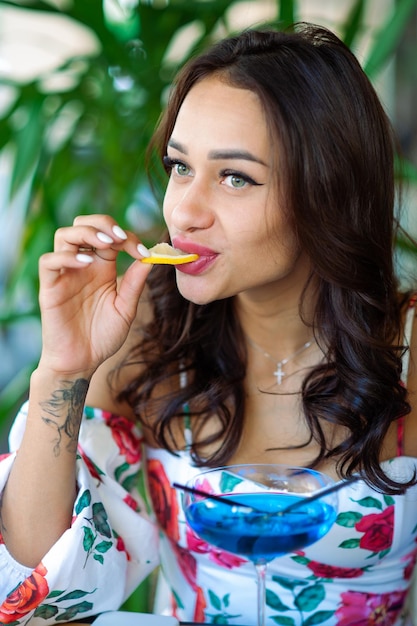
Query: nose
188,208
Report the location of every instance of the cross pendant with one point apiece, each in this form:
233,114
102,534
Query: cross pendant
279,373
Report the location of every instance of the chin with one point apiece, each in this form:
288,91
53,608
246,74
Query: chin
196,296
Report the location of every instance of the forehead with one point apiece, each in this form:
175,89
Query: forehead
215,112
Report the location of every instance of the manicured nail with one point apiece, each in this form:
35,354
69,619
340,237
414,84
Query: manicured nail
104,238
84,258
119,232
143,250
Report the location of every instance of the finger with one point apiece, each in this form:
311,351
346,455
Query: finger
52,265
72,238
107,227
131,287
105,234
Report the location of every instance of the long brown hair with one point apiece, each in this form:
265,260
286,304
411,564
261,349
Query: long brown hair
336,158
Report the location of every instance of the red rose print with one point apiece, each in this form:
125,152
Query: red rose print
187,564
4,456
363,609
120,546
25,597
328,571
94,471
200,605
127,441
222,558
378,530
131,502
164,499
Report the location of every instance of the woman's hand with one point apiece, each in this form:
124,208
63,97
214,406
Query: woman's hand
86,313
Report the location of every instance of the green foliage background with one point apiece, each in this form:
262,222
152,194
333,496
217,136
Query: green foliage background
80,149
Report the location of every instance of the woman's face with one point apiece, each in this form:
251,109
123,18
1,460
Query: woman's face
222,200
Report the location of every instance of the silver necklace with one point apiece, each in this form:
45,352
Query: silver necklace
279,372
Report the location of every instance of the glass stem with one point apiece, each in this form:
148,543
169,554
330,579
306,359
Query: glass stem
260,575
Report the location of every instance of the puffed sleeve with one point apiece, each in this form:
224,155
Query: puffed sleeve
112,544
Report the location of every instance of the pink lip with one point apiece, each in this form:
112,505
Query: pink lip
206,256
192,248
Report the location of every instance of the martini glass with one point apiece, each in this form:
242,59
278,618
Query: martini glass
260,512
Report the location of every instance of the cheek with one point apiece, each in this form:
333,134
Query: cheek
167,208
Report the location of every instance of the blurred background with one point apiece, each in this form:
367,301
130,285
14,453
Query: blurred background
82,84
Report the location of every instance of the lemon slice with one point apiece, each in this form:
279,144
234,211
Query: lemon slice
163,253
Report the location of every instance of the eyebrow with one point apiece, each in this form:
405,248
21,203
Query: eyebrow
221,154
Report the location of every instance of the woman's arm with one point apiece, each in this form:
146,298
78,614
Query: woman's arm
86,316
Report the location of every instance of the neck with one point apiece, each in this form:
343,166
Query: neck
276,327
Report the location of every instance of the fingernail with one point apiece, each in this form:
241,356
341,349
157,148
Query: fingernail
84,258
143,250
104,238
119,232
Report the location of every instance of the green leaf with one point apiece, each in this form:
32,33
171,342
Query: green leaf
228,482
103,546
348,519
83,502
219,619
370,503
130,482
389,36
274,601
177,599
283,621
54,594
352,26
99,558
405,170
73,611
291,583
28,140
74,595
100,520
89,412
45,611
389,500
383,553
350,544
120,470
309,599
286,15
318,618
226,600
300,559
89,538
215,600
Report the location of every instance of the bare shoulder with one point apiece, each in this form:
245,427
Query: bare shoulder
102,394
411,420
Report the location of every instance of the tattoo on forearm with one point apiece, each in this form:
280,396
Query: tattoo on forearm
63,412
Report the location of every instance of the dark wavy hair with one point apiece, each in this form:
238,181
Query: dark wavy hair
336,160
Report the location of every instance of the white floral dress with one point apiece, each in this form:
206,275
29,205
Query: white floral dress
358,574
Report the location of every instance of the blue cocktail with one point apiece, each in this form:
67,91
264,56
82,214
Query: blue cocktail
256,515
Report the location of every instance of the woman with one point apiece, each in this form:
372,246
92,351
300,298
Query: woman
286,341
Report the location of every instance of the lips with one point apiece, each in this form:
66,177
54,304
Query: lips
207,256
192,248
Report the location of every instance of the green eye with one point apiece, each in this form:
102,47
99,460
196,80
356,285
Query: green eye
237,182
182,169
